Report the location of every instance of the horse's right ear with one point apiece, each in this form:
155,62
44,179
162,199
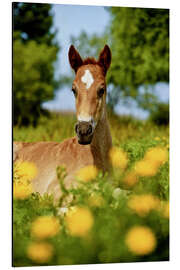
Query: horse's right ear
75,59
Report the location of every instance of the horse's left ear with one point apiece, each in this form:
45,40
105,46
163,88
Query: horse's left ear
105,58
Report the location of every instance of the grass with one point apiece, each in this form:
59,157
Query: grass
107,223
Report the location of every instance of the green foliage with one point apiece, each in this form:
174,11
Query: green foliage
34,22
105,242
34,54
32,79
140,45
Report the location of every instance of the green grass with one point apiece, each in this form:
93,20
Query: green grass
105,242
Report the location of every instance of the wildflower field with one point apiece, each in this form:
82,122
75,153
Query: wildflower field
120,217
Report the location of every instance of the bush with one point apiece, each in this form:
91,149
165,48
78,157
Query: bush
161,115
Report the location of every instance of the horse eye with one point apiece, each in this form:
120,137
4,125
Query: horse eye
74,92
101,92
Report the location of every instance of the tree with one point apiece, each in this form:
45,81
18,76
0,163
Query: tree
34,54
140,45
32,77
34,22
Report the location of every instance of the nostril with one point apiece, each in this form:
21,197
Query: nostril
89,131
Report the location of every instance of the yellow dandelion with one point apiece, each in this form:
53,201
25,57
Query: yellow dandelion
118,158
87,173
143,204
157,155
45,226
96,200
130,179
40,252
164,209
79,221
145,168
25,170
21,190
140,240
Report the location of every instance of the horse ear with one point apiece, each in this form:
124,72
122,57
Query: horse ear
75,59
105,58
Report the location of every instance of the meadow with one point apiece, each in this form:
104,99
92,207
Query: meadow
117,217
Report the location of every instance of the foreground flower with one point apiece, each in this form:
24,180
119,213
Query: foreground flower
157,155
45,226
79,221
140,240
130,179
118,158
21,190
40,252
25,170
87,173
164,209
143,204
145,168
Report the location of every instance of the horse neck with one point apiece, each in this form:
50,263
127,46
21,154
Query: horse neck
102,141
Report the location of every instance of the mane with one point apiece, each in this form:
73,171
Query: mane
92,61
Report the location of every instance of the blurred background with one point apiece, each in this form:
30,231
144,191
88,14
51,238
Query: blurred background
138,80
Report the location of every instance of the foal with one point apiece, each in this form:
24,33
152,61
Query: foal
93,141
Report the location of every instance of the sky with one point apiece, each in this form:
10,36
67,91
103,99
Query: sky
72,20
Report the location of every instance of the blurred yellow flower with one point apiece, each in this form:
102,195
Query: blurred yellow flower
25,170
87,173
45,226
157,155
96,200
164,209
118,158
140,240
145,168
21,190
79,221
40,252
143,204
130,179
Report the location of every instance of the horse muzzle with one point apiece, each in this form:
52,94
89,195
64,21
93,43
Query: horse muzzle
84,131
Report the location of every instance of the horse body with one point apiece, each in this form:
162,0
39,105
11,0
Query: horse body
93,141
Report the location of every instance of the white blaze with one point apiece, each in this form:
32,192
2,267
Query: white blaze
84,118
87,79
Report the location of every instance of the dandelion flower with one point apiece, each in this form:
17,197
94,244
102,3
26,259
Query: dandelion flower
130,179
79,221
165,209
118,158
145,168
25,170
40,252
87,173
140,240
21,190
143,204
45,226
157,155
96,200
